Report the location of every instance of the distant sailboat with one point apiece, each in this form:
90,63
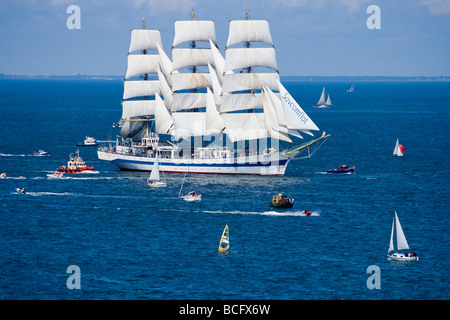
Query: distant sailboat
351,88
322,103
402,244
224,240
154,179
399,149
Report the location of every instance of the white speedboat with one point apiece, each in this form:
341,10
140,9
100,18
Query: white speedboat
41,153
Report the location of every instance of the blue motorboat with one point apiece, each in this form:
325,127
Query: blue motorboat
343,169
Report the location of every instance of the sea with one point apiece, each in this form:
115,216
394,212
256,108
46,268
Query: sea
105,235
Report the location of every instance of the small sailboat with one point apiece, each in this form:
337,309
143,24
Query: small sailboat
399,149
322,103
351,88
224,244
402,244
154,179
191,196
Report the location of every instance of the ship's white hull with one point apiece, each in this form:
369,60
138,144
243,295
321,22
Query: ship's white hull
273,164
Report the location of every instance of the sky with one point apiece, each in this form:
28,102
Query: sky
311,37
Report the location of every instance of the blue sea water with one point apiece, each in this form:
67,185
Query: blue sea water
133,242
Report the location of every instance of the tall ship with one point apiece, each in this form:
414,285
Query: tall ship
200,112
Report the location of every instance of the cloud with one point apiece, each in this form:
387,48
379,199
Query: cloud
437,7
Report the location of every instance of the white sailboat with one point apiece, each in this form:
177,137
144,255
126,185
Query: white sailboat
190,196
218,114
322,103
402,244
154,179
352,88
398,149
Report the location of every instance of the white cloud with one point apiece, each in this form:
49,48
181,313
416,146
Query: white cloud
437,7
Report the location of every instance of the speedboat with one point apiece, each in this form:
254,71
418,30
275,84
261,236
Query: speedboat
191,197
281,201
343,169
88,142
57,175
3,176
41,153
20,191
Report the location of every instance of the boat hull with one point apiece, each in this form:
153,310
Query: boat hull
281,205
77,170
402,257
342,171
256,165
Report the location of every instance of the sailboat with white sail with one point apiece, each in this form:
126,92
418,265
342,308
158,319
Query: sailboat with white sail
352,88
402,244
154,179
322,103
398,149
191,196
209,113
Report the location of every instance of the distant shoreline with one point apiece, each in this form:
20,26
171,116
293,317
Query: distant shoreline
284,78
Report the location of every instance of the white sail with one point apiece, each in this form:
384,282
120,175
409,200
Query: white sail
249,81
249,30
295,117
391,242
137,108
166,64
401,239
322,98
244,126
188,124
219,61
140,88
165,89
274,130
154,175
397,151
163,119
240,101
236,58
217,89
142,39
187,57
194,30
142,64
328,103
213,121
184,81
186,101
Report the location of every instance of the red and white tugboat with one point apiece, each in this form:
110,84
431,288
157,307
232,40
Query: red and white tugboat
75,165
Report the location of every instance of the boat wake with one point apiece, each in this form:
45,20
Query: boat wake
270,213
45,193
